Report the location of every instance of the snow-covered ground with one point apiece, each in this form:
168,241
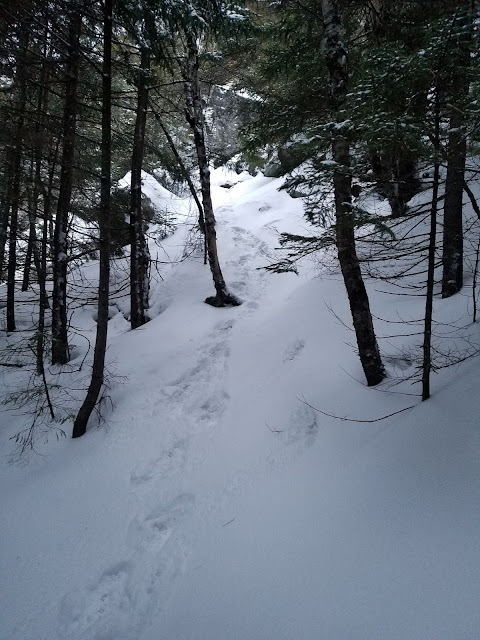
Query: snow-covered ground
217,503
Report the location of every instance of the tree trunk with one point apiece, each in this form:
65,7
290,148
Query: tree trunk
195,118
16,177
42,107
452,257
139,255
42,275
13,230
32,248
427,333
60,351
98,368
336,59
5,203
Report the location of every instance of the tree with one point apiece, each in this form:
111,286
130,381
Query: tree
60,350
80,424
195,118
15,173
139,256
460,43
336,61
427,333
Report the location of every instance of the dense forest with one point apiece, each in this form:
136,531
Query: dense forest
350,93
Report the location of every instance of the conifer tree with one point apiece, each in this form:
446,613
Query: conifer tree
60,349
457,89
98,367
195,118
15,168
139,256
336,61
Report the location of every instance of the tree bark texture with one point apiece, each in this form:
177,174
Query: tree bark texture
336,58
139,254
452,256
60,350
195,118
98,368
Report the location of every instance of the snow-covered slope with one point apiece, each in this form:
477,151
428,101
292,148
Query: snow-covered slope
217,503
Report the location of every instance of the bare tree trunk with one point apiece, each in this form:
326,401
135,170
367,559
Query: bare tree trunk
427,333
16,177
452,257
336,58
139,255
98,368
452,279
42,279
42,107
13,232
60,351
195,118
32,248
5,203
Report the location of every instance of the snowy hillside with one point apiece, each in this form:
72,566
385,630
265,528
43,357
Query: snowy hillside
216,503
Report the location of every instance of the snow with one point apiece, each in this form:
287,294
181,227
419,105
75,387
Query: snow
216,503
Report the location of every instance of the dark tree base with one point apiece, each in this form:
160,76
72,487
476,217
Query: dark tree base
375,377
223,300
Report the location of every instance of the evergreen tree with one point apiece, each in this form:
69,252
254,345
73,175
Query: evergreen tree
60,350
98,367
336,60
139,256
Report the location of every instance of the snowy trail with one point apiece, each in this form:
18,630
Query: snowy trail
217,505
188,408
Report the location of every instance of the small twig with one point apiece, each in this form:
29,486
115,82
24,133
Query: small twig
229,522
273,430
474,283
344,419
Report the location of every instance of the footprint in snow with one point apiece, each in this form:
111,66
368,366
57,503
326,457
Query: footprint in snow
167,463
293,350
100,614
116,605
152,531
224,325
302,425
214,406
